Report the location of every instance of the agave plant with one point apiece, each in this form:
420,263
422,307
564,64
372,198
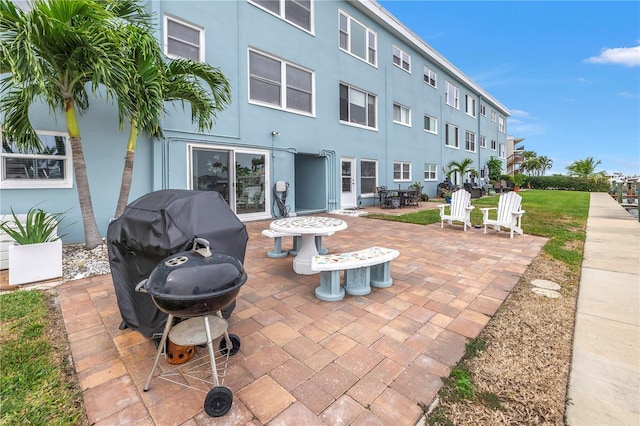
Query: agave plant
39,227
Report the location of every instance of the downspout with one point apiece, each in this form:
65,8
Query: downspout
332,201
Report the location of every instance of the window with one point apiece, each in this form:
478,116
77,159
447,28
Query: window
502,152
368,176
280,84
501,126
183,40
470,141
430,124
357,107
483,142
452,95
401,59
401,171
483,110
296,12
451,137
48,167
401,115
470,105
357,39
430,171
493,116
493,144
430,77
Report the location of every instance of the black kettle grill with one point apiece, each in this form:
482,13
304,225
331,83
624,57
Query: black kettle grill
191,284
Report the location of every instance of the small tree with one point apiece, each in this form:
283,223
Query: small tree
157,80
585,168
54,52
462,168
495,168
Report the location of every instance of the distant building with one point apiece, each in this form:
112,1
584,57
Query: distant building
333,98
514,155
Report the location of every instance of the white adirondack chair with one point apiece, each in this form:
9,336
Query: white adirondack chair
459,209
509,214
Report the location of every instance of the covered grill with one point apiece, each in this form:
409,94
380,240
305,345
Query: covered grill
156,226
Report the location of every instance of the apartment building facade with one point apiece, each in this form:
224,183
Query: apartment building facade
329,100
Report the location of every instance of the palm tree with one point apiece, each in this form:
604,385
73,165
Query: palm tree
545,164
157,80
53,52
462,168
585,168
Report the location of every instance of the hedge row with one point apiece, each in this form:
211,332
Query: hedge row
567,183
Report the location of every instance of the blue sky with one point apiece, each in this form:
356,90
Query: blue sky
569,71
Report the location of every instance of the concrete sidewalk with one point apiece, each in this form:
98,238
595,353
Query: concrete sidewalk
604,383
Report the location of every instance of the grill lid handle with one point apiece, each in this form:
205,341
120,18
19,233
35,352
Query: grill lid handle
140,286
203,251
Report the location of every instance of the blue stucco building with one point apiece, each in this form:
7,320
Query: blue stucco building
333,98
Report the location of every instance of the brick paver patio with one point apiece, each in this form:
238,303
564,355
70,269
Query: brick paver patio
363,360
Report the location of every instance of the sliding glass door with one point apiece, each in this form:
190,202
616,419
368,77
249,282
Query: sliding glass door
244,186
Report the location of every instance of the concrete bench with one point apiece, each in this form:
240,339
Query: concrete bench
362,269
277,252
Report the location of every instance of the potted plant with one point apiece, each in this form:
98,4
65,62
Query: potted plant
518,181
36,241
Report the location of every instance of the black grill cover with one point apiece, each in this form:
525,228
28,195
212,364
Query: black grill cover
156,226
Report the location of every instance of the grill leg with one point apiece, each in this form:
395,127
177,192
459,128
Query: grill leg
163,340
212,355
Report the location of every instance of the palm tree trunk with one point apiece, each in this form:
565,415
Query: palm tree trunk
127,172
91,233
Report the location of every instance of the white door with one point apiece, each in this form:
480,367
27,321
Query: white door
348,183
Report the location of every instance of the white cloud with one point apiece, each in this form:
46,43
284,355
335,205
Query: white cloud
629,56
519,113
627,95
584,80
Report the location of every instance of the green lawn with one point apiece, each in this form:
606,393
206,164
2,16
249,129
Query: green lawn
33,389
559,215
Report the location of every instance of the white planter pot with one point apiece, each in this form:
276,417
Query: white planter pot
35,262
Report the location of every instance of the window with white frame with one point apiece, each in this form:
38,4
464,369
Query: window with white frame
280,84
401,59
494,116
493,144
451,136
430,171
470,105
430,124
48,166
501,125
296,12
502,153
357,107
470,141
430,77
483,110
401,171
483,141
368,176
401,114
357,39
183,40
452,95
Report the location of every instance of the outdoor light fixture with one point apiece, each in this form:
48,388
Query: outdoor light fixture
275,133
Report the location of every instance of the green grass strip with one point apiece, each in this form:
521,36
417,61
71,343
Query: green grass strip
32,389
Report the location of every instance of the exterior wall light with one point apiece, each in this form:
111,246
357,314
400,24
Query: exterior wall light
275,133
